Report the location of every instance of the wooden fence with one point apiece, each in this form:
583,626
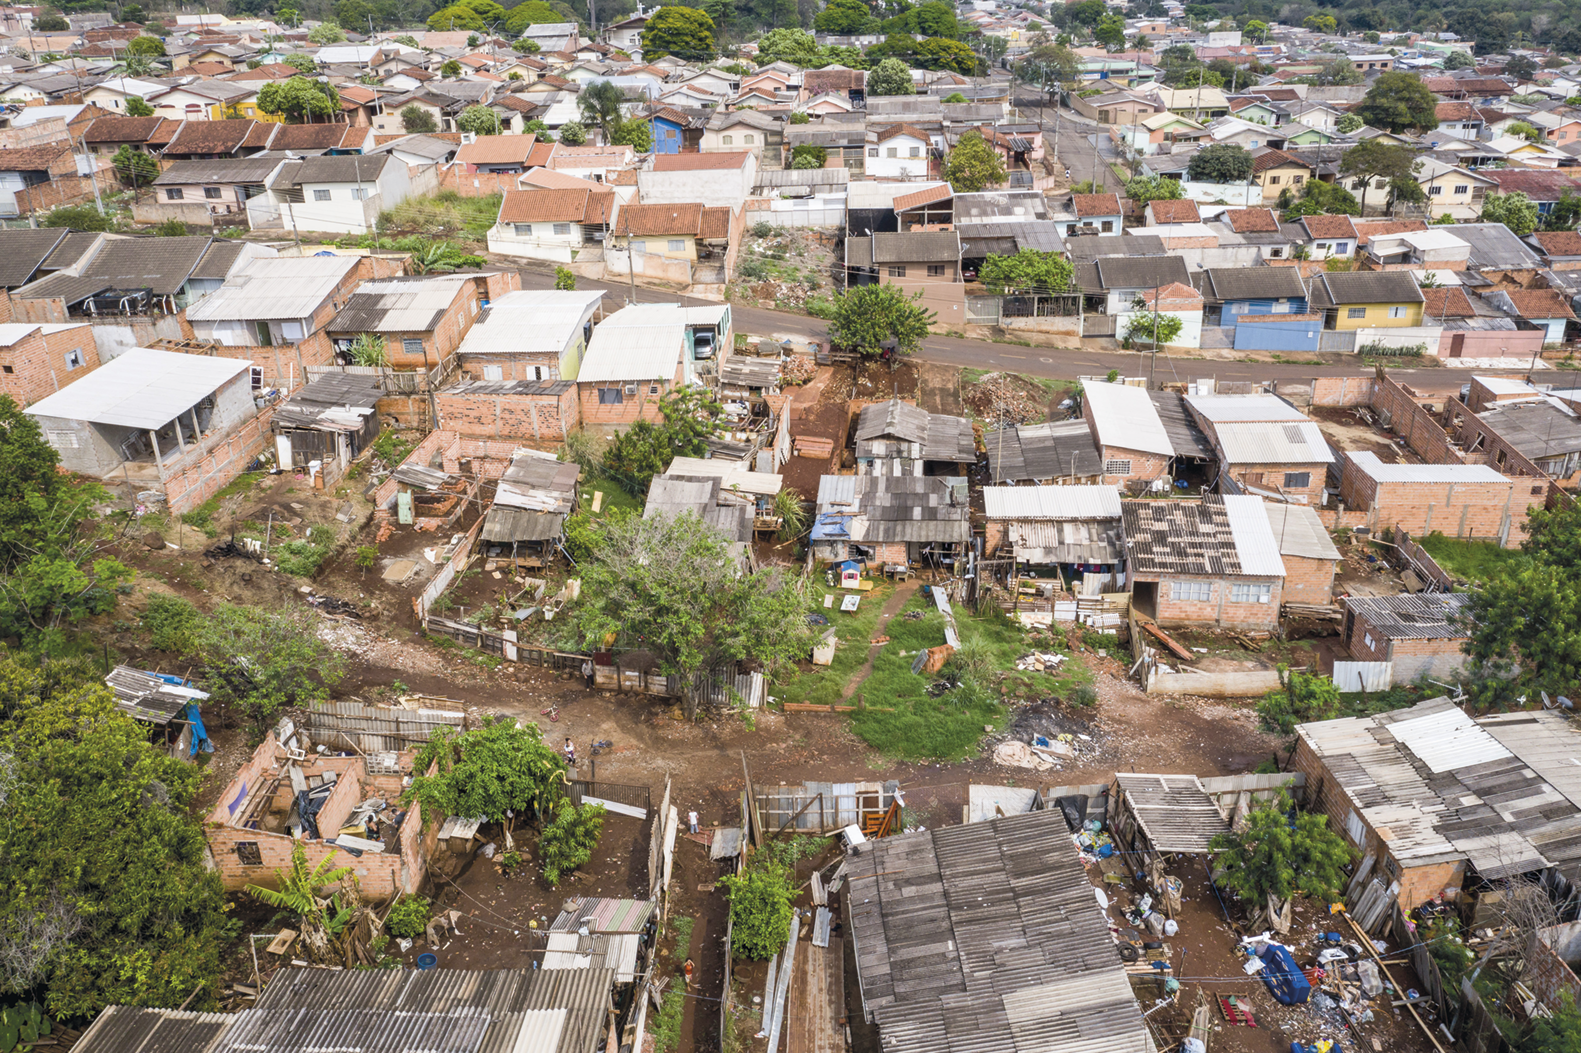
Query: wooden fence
821,807
623,799
377,729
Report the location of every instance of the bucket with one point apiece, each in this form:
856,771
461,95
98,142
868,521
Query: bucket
427,961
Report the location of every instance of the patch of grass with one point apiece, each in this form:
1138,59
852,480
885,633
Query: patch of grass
823,686
972,376
667,1022
303,556
1366,703
1472,560
202,517
616,497
445,214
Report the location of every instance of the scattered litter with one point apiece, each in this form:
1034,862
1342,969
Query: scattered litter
1040,662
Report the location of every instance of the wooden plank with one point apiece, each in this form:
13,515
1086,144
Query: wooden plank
1174,648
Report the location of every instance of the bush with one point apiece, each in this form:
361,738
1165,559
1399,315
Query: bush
78,217
171,228
1083,695
367,556
1303,697
569,839
408,919
303,556
1379,349
172,624
760,910
764,229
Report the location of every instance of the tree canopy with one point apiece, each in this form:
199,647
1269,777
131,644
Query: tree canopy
415,119
684,32
153,47
1143,189
1027,271
1221,163
1375,159
531,13
1399,102
974,165
846,18
499,767
688,417
479,120
866,317
795,46
1277,855
600,103
1515,210
299,99
137,106
890,77
134,167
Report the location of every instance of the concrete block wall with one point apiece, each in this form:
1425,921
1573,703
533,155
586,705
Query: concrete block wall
1342,392
35,366
1434,658
536,417
223,459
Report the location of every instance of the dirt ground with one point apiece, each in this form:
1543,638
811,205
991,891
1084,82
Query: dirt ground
1349,431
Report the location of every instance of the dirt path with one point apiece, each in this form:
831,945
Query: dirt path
892,607
939,389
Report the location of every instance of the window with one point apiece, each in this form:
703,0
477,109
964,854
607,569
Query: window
523,230
610,397
1391,866
1276,252
872,151
1341,248
74,358
248,853
1108,226
1397,312
493,372
1356,312
1254,142
1297,480
1191,591
1251,592
1273,180
562,230
359,193
7,369
935,270
728,140
1435,190
321,195
1117,467
1298,180
1355,184
653,389
174,193
639,247
412,345
1366,638
1354,828
897,270
748,140
1462,188
676,244
916,151
212,193
256,378
893,151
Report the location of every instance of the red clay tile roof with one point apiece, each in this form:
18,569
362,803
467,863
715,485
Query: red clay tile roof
166,131
551,79
715,223
1252,221
942,192
1279,94
121,129
541,155
1448,302
1539,184
1174,292
1276,159
625,177
1484,86
660,220
1373,228
834,80
556,206
1441,85
497,150
316,136
1559,242
207,69
893,130
32,158
261,134
699,162
1329,226
1096,204
211,137
517,103
1540,303
1181,210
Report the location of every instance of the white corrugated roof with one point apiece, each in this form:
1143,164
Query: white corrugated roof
140,388
731,475
1125,417
530,321
1447,740
541,1031
1299,531
1255,543
1222,408
1505,385
1370,465
1272,442
1051,502
269,287
639,342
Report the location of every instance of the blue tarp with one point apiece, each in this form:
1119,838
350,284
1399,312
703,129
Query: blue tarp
1285,982
200,734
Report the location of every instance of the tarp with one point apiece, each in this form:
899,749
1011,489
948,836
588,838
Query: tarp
200,734
1285,982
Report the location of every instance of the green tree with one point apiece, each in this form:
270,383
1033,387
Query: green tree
1566,213
868,317
1087,13
795,46
1525,131
564,280
568,840
106,897
305,63
936,19
1522,68
1321,23
672,582
1375,159
890,77
326,33
456,17
684,32
1049,65
1399,102
416,120
1110,32
153,47
1348,123
806,155
635,133
760,911
299,99
134,167
450,68
137,106
600,103
1319,198
479,120
1145,327
1143,189
51,22
501,766
973,165
1459,60
943,53
290,16
262,660
846,18
955,98
1302,698
1276,856
688,418
573,133
1221,163
1027,271
1558,1032
1515,210
1256,32
532,13
77,217
302,888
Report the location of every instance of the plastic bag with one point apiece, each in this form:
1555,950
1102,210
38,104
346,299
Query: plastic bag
1371,982
1171,926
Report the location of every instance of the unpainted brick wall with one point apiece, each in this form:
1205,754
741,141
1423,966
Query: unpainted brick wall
1218,609
644,405
1272,477
35,366
510,416
1483,445
1308,580
476,184
1548,973
1421,431
1145,467
1457,509
223,459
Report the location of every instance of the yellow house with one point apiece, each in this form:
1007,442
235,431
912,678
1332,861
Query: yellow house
670,231
1275,171
1453,191
1367,299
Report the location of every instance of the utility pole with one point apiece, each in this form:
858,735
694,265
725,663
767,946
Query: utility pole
1152,362
631,270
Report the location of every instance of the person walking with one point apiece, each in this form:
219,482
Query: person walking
570,753
691,821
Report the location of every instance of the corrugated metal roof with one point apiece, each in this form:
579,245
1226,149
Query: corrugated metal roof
893,508
1175,812
1201,537
1257,442
1446,740
1254,538
1125,418
146,697
1540,430
1036,452
1422,616
731,475
638,342
140,388
1047,541
608,914
1220,409
1051,502
1505,385
1299,531
530,321
274,287
1370,465
412,305
355,1030
129,1029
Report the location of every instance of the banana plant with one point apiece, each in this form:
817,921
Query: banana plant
301,887
21,1026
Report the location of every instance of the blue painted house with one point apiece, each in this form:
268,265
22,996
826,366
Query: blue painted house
1228,293
669,130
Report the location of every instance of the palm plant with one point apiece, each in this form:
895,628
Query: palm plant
792,514
369,350
301,887
426,259
600,103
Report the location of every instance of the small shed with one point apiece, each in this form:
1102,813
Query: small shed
167,702
747,377
1165,814
531,503
330,422
897,438
1417,634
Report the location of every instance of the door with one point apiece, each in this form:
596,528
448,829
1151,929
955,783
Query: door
1457,345
282,452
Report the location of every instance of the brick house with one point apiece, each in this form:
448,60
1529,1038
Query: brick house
1419,635
531,334
1143,437
926,262
248,833
42,176
536,410
1073,531
891,520
37,359
1307,551
1429,794
1265,446
1545,432
422,320
637,355
1460,500
1207,563
1561,249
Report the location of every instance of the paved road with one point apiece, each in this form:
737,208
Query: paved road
1057,363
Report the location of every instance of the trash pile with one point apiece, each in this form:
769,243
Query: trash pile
1094,843
1338,986
798,369
1040,662
996,397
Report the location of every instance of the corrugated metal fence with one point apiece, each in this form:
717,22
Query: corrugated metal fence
1363,676
822,807
377,729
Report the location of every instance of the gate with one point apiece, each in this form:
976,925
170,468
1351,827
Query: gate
1331,340
1098,325
1364,676
982,310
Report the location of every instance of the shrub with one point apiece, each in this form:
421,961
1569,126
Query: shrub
1083,695
760,911
367,556
763,229
569,839
172,624
408,919
1302,697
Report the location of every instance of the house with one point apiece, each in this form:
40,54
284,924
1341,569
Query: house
1138,448
636,357
1208,563
749,130
33,177
1366,299
1200,104
531,334
1180,210
1544,308
1059,452
496,153
129,277
23,253
957,888
195,140
1158,132
152,418
1265,446
421,320
897,438
1324,237
1175,300
209,100
1452,191
627,35
1117,106
1441,801
334,194
643,236
850,83
1460,500
892,520
1431,250
203,191
515,410
550,224
1276,171
717,180
926,262
322,427
1230,292
37,359
1306,550
108,134
1096,214
1071,531
1111,284
1561,249
730,499
1495,247
1459,118
900,151
532,501
1545,431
